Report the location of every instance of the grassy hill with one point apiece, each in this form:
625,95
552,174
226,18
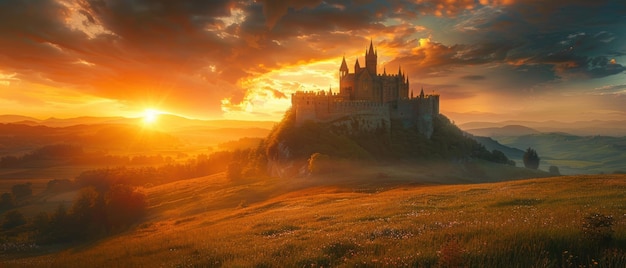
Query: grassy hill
574,154
356,220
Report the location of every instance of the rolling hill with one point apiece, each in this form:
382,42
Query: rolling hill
616,128
506,131
574,154
213,222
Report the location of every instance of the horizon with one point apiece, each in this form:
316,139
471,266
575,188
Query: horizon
491,61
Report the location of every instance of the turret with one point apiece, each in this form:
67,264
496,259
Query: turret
422,93
371,59
357,66
343,70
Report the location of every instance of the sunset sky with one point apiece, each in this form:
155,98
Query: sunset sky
490,60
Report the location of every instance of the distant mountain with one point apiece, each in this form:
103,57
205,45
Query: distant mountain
167,122
582,128
85,120
16,139
11,118
510,130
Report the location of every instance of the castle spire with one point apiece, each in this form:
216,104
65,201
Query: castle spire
411,93
399,70
371,50
343,70
371,59
357,66
385,70
422,93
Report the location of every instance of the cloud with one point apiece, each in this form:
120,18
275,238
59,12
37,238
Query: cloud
609,90
191,55
274,10
474,77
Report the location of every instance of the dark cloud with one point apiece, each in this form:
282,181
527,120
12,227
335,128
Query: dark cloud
274,10
474,77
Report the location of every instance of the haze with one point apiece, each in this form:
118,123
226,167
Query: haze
490,60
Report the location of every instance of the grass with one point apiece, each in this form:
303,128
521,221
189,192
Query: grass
211,222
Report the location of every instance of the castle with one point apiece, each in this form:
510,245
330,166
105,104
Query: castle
368,100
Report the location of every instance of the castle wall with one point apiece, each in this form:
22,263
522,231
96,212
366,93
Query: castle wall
369,115
417,112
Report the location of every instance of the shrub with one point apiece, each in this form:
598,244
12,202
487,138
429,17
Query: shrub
554,170
597,228
451,254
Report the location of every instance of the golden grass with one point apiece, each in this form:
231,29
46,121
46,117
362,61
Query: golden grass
211,222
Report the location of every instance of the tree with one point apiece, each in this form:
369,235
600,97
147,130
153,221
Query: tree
87,213
234,171
13,219
6,201
531,159
22,190
124,205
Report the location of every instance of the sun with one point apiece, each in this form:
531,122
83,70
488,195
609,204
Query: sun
150,116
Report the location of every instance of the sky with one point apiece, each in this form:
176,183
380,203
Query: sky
490,60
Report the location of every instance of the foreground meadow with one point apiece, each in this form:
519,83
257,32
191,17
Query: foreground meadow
212,222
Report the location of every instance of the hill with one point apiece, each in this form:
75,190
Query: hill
574,154
491,144
212,222
289,145
11,118
509,130
615,128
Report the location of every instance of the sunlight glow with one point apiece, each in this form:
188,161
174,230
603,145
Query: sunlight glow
150,116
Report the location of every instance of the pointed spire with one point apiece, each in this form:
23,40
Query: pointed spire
371,50
330,90
357,66
385,70
399,70
411,93
422,93
344,65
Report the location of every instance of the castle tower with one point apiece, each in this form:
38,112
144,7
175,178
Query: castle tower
371,59
357,66
343,70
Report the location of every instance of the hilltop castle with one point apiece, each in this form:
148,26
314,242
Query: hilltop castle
368,100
